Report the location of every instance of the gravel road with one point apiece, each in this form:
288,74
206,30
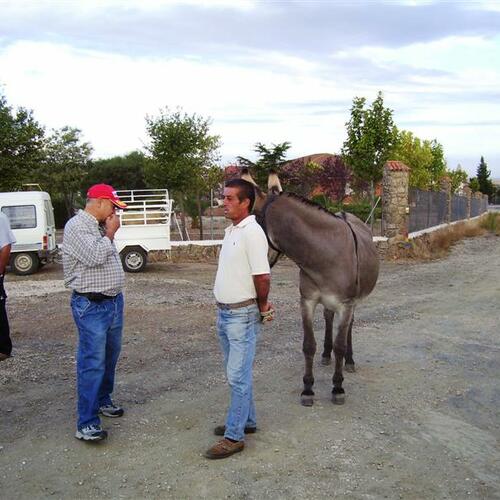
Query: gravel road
421,418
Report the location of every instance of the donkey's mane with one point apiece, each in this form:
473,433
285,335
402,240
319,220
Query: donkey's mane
305,201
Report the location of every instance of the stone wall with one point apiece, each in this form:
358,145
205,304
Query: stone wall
395,199
186,253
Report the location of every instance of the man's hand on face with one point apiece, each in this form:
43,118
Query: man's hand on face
112,224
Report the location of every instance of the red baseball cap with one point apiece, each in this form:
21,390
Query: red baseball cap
106,192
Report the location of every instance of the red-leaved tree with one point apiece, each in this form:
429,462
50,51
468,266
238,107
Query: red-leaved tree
333,178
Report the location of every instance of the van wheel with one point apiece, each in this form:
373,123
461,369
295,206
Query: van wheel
133,259
24,263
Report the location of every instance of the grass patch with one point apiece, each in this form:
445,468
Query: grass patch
436,244
491,223
442,241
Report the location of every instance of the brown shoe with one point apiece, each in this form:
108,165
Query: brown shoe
221,429
224,448
3,356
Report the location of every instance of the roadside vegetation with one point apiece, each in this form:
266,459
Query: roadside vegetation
437,244
491,223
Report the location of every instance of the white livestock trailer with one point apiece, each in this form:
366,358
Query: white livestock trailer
145,226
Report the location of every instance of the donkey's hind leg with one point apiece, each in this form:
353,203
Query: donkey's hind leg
309,349
339,348
349,361
326,357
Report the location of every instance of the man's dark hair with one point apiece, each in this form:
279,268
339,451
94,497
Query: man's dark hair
245,190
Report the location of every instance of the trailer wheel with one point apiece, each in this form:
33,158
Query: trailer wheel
133,259
24,263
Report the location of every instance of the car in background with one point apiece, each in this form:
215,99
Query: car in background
31,217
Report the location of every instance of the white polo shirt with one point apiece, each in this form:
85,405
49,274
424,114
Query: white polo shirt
243,255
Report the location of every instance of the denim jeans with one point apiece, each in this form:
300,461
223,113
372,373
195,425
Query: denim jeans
100,327
238,330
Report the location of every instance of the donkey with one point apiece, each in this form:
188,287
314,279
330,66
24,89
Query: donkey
338,264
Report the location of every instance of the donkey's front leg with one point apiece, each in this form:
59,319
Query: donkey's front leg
339,348
309,349
326,357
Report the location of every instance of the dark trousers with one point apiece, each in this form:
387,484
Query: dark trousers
5,343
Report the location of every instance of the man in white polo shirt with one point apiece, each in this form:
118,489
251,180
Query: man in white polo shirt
241,290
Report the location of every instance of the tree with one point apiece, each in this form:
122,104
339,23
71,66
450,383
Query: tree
474,184
180,148
458,177
271,159
425,159
483,178
300,177
414,153
438,165
21,145
121,172
371,137
66,165
334,178
210,178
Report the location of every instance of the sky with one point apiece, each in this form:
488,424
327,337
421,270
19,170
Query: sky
262,71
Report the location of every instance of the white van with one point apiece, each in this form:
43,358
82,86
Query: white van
31,219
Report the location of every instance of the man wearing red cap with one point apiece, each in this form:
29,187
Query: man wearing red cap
93,270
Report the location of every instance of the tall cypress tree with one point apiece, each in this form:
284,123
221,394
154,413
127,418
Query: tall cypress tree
483,177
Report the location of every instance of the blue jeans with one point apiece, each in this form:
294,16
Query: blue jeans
238,330
100,327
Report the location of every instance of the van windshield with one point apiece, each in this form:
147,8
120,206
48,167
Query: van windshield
21,216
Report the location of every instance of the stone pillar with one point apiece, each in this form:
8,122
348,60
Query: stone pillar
485,201
468,193
479,196
445,184
395,199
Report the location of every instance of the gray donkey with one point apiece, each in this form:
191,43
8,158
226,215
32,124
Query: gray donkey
338,264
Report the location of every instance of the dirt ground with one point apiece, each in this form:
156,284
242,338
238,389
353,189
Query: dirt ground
421,419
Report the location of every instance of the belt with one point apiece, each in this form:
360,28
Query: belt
95,296
237,305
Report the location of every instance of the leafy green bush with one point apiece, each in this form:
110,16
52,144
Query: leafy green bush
360,209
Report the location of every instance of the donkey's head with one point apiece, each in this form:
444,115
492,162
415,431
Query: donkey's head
273,189
273,183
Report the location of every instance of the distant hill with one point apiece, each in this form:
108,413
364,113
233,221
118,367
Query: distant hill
316,158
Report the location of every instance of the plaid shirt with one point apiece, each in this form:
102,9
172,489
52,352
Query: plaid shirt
90,260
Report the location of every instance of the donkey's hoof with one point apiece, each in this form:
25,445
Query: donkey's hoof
326,361
350,367
338,399
306,400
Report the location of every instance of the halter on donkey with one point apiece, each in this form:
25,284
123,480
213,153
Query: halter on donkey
338,264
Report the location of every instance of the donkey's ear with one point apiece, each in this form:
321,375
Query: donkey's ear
273,183
245,175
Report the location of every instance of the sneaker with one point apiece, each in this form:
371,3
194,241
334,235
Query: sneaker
224,448
111,411
91,433
221,429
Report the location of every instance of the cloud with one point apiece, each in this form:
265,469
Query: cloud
306,29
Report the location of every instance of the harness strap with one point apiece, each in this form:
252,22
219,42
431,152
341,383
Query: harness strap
261,219
344,218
